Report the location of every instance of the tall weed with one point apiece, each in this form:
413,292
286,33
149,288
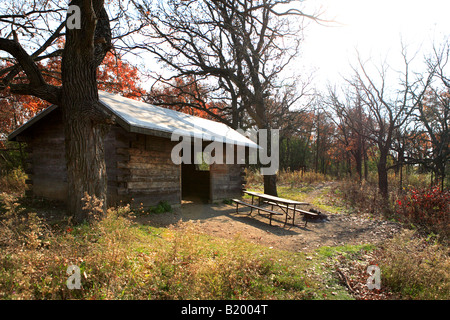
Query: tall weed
13,181
287,177
361,197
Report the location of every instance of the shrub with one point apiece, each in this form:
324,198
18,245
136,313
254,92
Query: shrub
20,229
13,181
161,207
416,267
427,208
360,197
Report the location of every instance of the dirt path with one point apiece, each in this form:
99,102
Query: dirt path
318,190
221,220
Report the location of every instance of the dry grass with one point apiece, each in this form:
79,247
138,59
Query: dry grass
415,267
119,259
360,197
287,178
13,181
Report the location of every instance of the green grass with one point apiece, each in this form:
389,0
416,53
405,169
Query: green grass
326,251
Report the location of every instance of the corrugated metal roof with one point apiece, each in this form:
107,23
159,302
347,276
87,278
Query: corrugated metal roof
141,117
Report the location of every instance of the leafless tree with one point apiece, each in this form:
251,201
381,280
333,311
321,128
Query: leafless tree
388,109
241,47
347,112
433,113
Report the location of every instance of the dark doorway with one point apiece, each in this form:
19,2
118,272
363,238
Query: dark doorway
195,183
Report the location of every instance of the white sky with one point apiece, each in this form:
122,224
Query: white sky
375,27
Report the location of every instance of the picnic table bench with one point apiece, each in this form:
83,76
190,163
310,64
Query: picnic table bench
307,214
270,212
283,204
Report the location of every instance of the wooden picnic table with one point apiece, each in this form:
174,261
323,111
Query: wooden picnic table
282,203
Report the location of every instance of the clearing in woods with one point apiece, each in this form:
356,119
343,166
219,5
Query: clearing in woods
221,220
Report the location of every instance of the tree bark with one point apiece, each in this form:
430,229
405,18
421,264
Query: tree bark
383,174
270,185
85,122
85,161
358,155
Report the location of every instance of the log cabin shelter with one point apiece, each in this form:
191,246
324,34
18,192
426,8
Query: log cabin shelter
138,154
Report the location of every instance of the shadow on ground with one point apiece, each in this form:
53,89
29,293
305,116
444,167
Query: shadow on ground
222,220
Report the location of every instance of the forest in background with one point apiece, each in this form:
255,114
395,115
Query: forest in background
382,126
352,131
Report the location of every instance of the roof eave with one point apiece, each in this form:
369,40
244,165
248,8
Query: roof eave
13,135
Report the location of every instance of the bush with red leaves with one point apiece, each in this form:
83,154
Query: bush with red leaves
428,209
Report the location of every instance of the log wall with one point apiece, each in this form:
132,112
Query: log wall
147,173
226,179
46,164
139,167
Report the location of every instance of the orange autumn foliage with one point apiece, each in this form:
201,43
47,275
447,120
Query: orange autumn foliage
114,75
118,76
187,96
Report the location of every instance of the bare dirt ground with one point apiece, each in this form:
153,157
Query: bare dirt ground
221,220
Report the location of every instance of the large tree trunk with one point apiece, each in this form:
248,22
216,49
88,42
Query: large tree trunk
85,158
85,122
270,185
84,134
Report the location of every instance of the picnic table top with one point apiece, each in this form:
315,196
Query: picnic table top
275,199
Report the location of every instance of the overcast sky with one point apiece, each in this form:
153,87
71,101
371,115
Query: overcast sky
376,28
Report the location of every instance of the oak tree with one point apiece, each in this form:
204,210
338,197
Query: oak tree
39,25
239,47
